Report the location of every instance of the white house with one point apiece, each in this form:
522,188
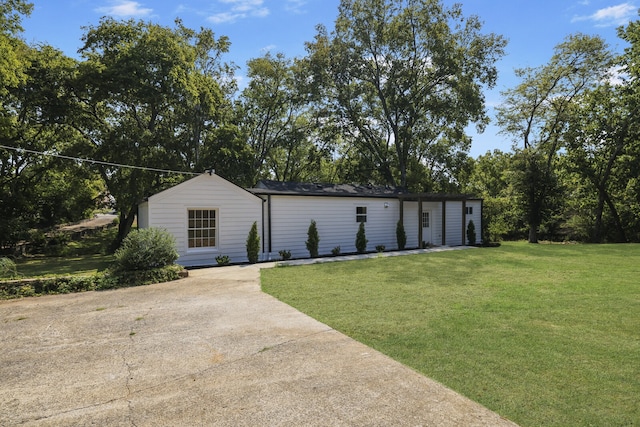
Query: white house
210,216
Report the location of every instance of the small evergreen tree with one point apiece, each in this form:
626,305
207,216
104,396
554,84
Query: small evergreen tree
401,236
361,239
312,239
471,233
253,244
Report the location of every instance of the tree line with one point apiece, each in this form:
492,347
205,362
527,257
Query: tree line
383,97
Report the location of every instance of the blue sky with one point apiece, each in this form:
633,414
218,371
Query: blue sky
532,27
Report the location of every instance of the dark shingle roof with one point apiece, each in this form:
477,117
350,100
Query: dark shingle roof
267,187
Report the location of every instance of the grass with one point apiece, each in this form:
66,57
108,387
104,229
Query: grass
542,334
81,258
81,265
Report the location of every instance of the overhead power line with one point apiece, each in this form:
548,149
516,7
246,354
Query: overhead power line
97,162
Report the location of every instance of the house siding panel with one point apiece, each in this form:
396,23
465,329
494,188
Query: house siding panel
454,234
476,216
335,218
236,211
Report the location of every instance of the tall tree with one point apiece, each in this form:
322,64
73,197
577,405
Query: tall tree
278,122
12,58
36,188
404,78
536,111
597,138
149,95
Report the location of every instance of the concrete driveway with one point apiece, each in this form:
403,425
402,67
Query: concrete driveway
211,349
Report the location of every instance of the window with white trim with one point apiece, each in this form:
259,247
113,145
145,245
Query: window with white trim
425,219
469,210
361,214
202,228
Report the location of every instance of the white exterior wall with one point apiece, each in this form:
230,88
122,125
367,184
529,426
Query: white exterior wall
143,215
412,222
335,218
454,234
476,216
236,209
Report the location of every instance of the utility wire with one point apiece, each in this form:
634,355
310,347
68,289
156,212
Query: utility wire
99,162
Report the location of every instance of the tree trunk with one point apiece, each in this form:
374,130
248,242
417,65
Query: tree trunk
622,236
124,226
597,231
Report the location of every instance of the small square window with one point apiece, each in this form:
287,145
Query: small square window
469,210
361,214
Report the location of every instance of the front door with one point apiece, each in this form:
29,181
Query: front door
426,228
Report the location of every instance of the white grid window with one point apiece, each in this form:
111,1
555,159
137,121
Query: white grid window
202,228
425,219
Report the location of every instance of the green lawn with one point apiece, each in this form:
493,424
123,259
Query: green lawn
60,266
545,335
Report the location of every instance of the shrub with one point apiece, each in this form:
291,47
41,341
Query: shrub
285,255
335,251
380,248
471,233
401,236
361,239
146,249
48,285
8,269
123,279
253,244
223,260
313,239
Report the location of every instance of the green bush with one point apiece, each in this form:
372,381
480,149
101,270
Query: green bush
471,233
146,249
401,236
335,251
285,255
223,259
313,240
253,244
111,279
361,239
125,279
380,248
48,285
8,269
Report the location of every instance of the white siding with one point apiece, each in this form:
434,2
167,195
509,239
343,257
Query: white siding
412,222
236,208
454,234
143,215
476,216
335,218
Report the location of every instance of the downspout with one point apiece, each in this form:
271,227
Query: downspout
464,222
481,223
444,223
262,227
420,223
269,222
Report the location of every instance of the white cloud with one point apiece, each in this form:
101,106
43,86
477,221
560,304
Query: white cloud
268,48
240,9
124,8
611,16
295,6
